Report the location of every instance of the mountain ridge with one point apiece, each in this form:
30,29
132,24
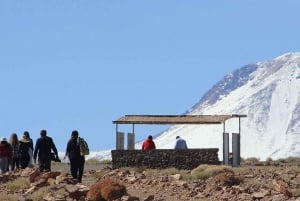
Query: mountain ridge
268,93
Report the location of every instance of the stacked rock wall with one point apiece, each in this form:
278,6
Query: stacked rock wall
164,158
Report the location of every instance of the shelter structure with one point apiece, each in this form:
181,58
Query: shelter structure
184,119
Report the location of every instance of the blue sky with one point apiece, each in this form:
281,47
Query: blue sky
77,64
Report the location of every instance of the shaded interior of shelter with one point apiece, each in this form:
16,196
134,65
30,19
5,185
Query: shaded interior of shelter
182,159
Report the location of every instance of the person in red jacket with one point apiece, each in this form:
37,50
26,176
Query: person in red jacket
5,155
148,143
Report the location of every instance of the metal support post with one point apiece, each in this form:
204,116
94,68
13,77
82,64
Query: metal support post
236,155
226,148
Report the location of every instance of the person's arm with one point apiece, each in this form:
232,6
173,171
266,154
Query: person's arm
176,144
35,150
54,148
67,150
31,144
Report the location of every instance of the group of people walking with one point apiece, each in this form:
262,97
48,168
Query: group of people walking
149,143
21,153
16,153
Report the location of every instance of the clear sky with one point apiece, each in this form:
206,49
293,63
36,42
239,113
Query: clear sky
78,64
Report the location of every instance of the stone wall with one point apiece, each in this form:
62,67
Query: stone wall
164,158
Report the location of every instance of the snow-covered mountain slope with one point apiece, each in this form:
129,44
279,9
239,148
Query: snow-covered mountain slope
268,93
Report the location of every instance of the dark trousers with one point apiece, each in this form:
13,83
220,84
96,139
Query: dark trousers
45,163
14,163
24,160
77,167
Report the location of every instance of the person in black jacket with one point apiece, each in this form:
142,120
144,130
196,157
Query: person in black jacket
30,151
43,147
24,149
76,159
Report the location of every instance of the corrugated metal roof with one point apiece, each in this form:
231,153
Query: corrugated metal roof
174,119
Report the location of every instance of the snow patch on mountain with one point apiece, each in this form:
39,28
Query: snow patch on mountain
268,93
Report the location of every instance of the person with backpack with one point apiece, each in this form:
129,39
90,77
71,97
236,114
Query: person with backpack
24,148
77,160
43,147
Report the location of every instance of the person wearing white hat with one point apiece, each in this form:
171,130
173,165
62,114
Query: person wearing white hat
24,150
5,155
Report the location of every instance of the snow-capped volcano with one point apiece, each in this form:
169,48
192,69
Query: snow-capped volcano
268,93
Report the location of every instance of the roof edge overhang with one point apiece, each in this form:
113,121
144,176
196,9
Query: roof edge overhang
175,119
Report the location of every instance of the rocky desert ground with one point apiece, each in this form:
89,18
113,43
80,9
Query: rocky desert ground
274,181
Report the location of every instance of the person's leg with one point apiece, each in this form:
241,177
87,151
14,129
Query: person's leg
2,165
11,165
74,167
41,164
22,161
44,163
25,161
80,168
48,164
18,163
8,163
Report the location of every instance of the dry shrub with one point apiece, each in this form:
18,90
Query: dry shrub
251,160
207,171
16,185
106,189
